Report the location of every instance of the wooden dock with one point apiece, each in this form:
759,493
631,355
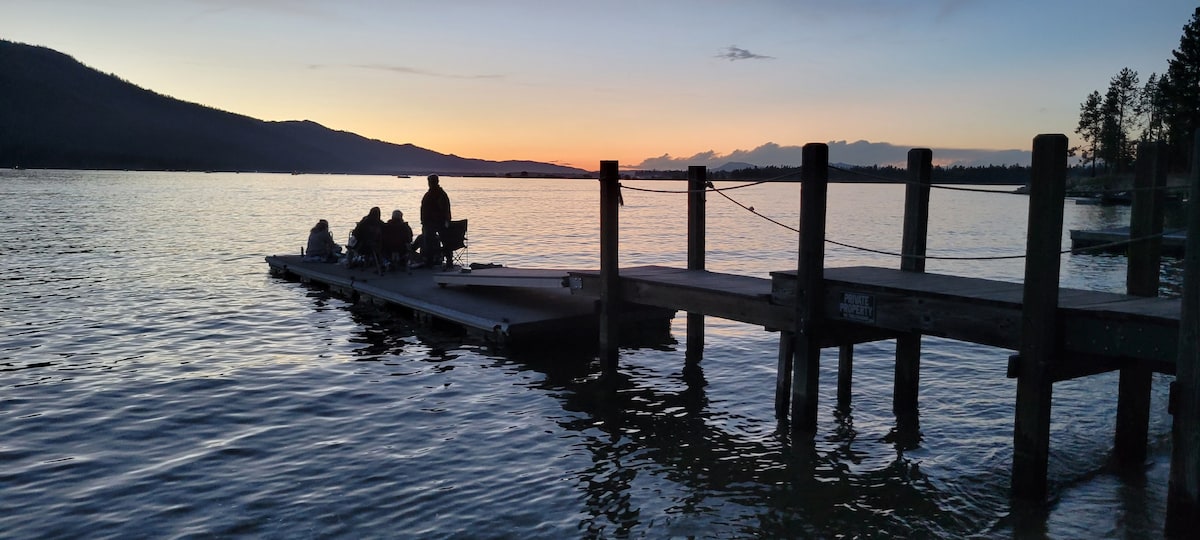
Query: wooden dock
1101,331
519,308
1056,333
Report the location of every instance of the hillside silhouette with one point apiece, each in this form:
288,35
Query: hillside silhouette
58,113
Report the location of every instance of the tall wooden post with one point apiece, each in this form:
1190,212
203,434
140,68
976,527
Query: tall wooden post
1183,489
1039,328
916,228
810,286
1141,279
697,182
610,282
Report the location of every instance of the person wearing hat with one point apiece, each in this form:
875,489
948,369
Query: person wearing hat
435,218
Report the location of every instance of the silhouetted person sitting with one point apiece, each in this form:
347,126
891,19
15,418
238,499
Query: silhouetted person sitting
397,236
321,247
368,238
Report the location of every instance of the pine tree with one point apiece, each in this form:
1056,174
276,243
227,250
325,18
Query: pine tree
1105,123
1181,93
1153,107
1090,123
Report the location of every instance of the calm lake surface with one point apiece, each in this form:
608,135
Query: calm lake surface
157,382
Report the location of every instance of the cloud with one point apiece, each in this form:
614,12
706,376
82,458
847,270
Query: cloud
406,70
851,153
732,53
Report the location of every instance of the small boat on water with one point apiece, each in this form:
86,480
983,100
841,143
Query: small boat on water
1119,198
403,176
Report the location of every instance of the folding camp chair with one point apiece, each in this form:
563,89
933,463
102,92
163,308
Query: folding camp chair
454,241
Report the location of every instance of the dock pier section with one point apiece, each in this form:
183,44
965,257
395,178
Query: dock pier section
1058,334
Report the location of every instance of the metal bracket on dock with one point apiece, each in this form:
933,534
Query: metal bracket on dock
1014,366
1171,400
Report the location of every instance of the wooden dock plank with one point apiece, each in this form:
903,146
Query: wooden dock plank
505,277
503,314
990,323
1100,329
729,296
924,284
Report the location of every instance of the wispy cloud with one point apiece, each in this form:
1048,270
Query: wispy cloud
406,70
733,52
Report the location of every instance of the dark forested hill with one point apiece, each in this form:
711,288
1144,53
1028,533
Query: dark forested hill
58,113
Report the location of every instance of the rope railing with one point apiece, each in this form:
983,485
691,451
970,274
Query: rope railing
889,180
906,181
1098,247
709,187
884,179
721,191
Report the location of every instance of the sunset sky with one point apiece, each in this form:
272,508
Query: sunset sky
643,82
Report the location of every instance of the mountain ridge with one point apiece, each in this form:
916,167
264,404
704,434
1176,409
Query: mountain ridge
56,112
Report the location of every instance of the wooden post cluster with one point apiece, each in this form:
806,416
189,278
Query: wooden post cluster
908,347
1041,341
1039,327
697,183
1141,279
1183,490
610,281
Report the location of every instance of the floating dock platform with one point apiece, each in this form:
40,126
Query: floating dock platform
1172,241
506,306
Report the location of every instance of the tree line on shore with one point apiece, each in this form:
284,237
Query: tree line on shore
955,174
1166,109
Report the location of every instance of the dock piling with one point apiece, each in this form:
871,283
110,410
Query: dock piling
1039,326
783,373
697,182
1183,488
810,284
1141,279
610,281
845,376
906,386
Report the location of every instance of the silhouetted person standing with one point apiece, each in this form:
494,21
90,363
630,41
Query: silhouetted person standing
435,218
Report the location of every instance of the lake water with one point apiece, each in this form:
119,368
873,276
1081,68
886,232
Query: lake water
156,381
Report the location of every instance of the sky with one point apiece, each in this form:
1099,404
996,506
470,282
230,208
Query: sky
649,83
